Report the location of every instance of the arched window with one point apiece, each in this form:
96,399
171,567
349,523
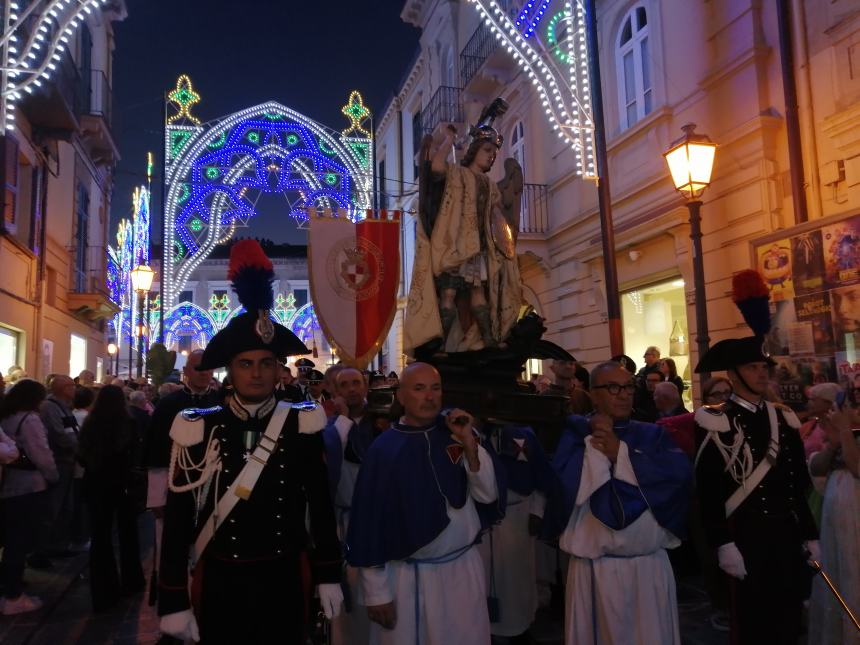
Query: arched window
635,93
518,144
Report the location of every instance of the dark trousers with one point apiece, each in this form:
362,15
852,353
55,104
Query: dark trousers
22,517
253,603
55,530
109,505
767,604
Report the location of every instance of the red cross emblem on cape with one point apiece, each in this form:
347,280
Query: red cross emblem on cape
521,449
455,450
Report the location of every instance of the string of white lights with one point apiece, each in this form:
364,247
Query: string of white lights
46,38
556,67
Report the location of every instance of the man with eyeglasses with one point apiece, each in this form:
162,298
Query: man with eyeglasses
752,484
624,498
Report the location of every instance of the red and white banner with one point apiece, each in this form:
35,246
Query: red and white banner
354,275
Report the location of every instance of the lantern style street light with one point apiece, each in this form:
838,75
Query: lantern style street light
690,160
112,350
141,282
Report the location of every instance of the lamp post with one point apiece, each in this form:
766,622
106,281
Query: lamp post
691,159
112,351
141,282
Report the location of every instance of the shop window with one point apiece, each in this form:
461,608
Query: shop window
657,316
8,349
77,354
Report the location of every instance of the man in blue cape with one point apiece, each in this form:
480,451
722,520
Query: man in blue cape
425,491
624,498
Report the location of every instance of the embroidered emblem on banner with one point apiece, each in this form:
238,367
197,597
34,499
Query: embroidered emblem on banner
355,269
455,452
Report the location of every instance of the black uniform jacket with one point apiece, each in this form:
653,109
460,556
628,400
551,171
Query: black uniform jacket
782,492
267,526
157,443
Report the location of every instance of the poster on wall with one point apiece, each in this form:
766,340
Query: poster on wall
774,263
814,281
842,252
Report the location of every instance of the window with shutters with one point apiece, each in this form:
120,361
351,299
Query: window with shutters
633,59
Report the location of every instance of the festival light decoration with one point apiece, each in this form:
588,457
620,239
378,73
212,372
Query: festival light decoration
556,66
32,43
216,171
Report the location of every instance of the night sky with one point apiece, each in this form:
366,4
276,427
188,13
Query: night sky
308,55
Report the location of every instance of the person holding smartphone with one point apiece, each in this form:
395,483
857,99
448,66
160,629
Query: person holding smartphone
839,461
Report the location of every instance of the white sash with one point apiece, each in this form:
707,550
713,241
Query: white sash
244,483
749,484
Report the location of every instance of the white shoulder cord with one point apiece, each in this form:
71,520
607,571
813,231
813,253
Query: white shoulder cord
211,462
738,465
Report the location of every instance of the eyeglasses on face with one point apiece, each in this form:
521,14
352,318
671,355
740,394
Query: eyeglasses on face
615,388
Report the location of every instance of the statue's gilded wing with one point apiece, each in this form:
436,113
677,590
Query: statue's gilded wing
511,187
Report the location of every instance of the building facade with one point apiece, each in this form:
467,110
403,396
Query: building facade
664,64
57,173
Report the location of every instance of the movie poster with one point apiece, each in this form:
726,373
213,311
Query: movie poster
846,317
782,317
815,310
807,263
795,375
774,264
848,371
842,252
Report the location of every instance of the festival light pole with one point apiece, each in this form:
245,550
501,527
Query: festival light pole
691,159
112,351
141,283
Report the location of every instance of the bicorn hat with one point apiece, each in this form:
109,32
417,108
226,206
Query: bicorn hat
251,274
751,295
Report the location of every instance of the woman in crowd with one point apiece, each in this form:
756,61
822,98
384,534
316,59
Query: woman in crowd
23,492
838,461
670,373
108,452
820,402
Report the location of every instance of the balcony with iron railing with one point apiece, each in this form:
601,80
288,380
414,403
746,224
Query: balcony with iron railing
482,45
444,107
88,294
534,209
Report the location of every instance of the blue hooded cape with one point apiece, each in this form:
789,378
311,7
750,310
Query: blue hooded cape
523,475
405,481
662,469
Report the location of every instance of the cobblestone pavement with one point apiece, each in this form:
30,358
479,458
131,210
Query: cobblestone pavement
67,619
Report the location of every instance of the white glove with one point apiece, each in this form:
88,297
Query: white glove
181,625
731,561
331,599
814,551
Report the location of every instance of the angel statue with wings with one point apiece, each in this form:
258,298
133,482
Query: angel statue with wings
466,292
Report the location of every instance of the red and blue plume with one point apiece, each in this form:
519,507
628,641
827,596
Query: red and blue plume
752,297
251,274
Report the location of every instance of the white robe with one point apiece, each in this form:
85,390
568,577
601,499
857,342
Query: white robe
512,578
451,603
620,585
351,628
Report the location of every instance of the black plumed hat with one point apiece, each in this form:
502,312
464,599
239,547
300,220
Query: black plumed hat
251,274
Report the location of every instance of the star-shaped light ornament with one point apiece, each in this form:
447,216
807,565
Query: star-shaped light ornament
184,97
356,111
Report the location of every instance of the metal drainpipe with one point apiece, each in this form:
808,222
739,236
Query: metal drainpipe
807,109
792,123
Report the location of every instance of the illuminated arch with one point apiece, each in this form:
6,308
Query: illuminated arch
188,320
216,171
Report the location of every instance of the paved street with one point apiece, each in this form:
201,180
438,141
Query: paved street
67,619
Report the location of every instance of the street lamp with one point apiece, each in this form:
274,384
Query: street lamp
141,282
112,350
691,159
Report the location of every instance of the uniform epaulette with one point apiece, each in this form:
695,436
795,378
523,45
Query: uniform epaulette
187,427
790,417
312,417
712,418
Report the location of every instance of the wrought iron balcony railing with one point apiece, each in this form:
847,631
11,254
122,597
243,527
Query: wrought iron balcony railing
444,107
534,214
